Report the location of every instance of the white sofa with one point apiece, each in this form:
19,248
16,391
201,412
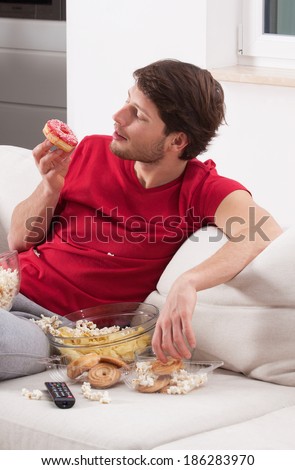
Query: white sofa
248,323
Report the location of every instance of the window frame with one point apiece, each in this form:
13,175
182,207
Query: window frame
269,49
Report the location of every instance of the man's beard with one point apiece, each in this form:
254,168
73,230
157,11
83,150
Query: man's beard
153,154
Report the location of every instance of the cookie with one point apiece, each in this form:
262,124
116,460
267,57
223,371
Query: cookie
81,364
164,368
104,375
161,382
114,360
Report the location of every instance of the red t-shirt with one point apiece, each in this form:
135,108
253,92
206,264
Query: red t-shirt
112,238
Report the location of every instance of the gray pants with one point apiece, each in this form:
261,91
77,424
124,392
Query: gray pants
22,343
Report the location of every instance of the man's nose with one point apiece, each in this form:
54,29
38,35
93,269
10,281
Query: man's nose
121,117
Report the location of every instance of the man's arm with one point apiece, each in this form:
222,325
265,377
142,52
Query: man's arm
249,229
32,217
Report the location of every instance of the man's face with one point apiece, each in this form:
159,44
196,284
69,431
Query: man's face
139,130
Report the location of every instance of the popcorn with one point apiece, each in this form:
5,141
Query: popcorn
33,395
9,280
145,376
48,324
97,395
83,328
181,381
88,328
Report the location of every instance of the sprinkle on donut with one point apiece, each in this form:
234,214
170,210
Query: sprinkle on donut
60,135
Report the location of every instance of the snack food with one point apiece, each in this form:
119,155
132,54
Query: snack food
103,371
9,281
9,278
114,360
104,375
32,394
60,135
164,368
160,383
115,342
179,381
81,364
97,395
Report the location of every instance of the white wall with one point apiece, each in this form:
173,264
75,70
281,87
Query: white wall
108,39
256,146
223,17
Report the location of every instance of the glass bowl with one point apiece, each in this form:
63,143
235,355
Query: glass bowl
9,278
114,330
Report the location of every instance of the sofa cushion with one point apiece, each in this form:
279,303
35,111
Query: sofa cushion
18,177
267,432
134,420
249,322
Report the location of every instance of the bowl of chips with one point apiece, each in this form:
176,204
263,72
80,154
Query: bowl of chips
114,330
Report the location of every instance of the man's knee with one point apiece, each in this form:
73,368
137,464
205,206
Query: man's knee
22,344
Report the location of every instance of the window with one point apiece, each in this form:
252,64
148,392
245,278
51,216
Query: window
268,33
279,17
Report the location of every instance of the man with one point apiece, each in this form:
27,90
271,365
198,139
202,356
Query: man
103,224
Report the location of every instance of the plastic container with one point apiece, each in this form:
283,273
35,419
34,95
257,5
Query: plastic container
9,278
178,379
23,364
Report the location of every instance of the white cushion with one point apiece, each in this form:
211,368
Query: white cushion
18,177
134,420
268,432
249,322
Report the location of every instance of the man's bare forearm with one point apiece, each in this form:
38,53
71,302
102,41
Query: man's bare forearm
31,218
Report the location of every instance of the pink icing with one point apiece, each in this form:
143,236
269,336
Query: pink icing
62,131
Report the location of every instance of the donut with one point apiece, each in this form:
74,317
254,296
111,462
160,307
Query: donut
103,375
60,135
161,382
81,364
164,368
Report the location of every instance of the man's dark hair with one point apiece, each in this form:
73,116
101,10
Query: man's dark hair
188,99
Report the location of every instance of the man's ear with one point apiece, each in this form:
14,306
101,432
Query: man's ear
179,141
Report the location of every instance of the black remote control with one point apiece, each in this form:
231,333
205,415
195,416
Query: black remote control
60,394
